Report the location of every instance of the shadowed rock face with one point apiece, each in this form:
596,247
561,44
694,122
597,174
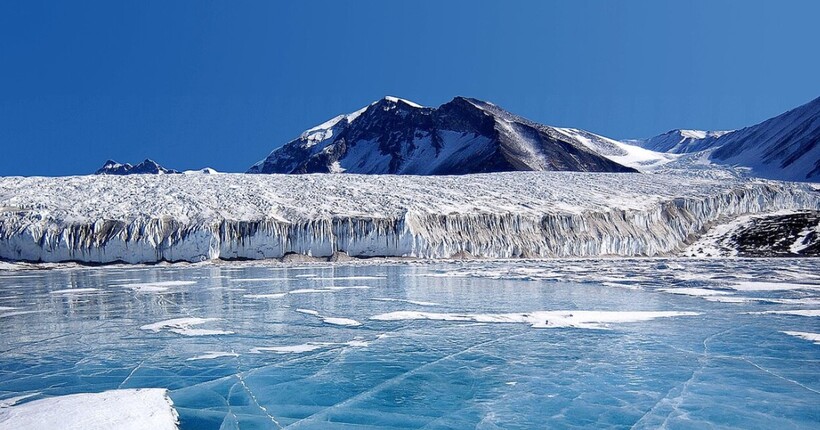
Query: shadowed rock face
786,147
394,136
792,235
148,166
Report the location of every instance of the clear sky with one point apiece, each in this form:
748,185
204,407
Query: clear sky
200,83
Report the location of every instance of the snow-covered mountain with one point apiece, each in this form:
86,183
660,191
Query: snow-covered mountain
679,141
148,166
396,136
786,147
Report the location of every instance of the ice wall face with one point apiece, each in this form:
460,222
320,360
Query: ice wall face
145,218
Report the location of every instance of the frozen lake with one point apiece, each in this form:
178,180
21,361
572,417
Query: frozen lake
512,344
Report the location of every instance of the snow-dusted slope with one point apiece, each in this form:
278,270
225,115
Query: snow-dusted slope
395,136
620,152
786,147
779,234
147,218
679,141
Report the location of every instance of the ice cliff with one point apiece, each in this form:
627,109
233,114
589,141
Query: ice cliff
149,218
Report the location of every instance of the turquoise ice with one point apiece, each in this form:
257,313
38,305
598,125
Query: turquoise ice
609,343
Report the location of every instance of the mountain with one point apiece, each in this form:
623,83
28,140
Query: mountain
786,147
396,136
679,141
148,166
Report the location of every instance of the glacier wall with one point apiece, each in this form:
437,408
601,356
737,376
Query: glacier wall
46,227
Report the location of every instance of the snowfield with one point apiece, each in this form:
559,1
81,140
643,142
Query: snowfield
149,218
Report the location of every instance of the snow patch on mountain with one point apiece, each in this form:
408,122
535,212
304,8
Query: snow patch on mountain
620,152
397,100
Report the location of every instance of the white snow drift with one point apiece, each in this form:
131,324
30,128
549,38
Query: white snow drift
148,408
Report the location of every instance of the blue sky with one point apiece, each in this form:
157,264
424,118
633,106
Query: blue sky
195,83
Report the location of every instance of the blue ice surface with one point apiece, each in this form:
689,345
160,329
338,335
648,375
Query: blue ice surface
724,368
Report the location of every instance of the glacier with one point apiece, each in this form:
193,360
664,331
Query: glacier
152,218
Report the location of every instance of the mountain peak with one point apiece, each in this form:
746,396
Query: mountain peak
679,141
465,135
398,100
785,147
147,166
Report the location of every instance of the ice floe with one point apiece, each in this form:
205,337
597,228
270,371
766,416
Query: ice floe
259,279
796,312
341,321
772,286
621,285
305,291
812,337
290,349
266,296
76,291
540,319
210,355
184,326
698,292
308,347
330,320
155,287
135,409
412,302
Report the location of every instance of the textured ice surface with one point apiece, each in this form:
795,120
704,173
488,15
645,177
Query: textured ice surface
669,357
150,218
